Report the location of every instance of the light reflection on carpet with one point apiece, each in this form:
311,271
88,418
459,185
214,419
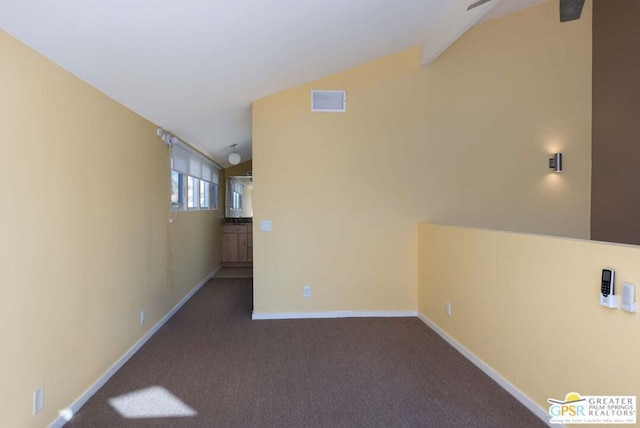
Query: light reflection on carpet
152,402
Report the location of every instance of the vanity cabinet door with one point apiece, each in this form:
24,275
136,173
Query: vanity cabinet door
242,247
237,244
229,247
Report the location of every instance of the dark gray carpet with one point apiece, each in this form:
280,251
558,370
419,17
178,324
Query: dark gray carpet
357,372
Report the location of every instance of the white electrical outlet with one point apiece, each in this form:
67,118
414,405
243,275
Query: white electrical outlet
306,291
38,400
142,316
449,309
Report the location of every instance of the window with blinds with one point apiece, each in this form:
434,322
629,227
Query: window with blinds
194,180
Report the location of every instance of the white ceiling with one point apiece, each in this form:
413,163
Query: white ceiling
193,67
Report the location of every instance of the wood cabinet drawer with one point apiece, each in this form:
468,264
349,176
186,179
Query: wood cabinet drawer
234,228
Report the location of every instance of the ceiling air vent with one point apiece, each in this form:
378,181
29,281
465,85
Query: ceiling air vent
335,101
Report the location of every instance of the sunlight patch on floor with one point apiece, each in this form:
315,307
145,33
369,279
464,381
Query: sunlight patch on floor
152,402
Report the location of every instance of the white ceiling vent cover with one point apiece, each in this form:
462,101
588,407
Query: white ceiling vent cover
335,101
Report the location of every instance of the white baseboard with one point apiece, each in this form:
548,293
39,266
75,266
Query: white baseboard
67,414
505,384
332,314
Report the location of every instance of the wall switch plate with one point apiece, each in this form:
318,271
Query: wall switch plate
629,298
306,291
38,400
265,225
143,316
449,309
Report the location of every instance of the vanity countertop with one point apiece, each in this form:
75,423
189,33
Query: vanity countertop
237,220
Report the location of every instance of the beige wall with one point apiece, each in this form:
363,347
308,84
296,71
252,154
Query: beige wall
86,240
240,169
464,141
196,248
528,307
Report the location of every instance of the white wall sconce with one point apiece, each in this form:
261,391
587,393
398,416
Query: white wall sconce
234,158
555,162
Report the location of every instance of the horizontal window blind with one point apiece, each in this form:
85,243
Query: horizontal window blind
207,172
187,161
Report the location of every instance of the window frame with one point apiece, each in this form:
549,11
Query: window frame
177,206
204,195
195,193
213,197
